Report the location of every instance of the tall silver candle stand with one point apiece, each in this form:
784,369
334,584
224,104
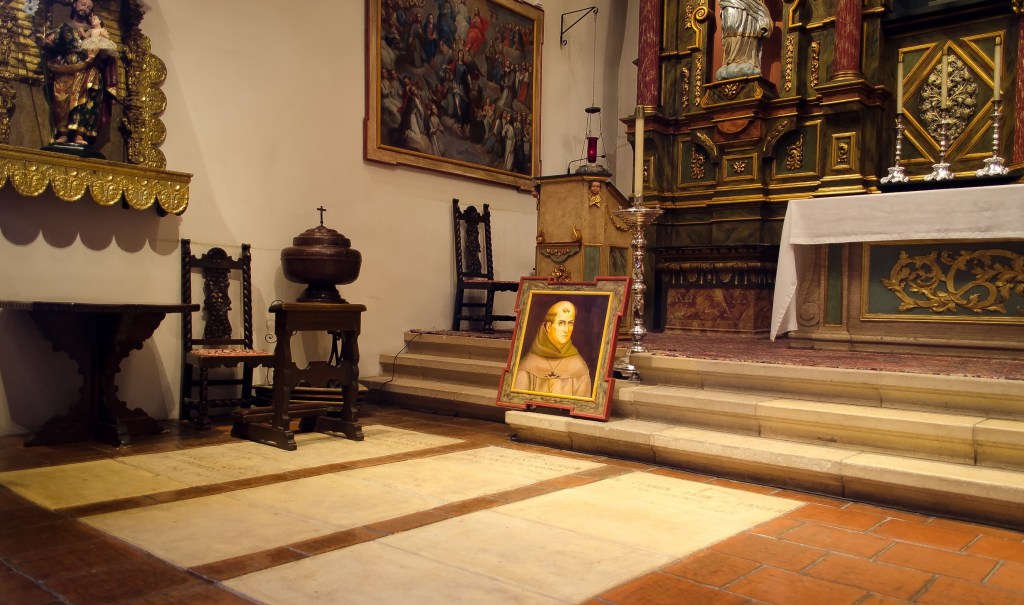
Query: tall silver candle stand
994,165
896,173
940,171
638,218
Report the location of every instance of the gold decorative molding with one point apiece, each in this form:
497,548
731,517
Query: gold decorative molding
815,62
698,82
684,92
697,161
560,274
739,166
790,57
31,172
987,279
795,154
558,255
730,90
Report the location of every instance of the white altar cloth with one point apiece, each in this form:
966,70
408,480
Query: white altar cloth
995,212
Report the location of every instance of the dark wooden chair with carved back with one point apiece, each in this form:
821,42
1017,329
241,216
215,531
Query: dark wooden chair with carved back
221,345
475,285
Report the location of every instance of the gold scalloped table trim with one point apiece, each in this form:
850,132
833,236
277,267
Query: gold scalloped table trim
31,171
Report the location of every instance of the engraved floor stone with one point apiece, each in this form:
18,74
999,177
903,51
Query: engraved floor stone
85,483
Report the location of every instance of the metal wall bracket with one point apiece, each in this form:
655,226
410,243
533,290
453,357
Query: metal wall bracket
585,11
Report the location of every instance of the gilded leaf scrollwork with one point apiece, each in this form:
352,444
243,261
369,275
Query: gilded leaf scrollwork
684,88
815,62
790,57
962,95
795,154
979,281
697,162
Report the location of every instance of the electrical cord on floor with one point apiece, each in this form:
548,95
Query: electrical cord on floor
394,361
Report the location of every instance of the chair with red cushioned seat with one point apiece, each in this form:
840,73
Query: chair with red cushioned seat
221,346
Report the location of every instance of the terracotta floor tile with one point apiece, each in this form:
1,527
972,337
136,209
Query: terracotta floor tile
121,584
712,568
204,594
811,498
998,548
827,515
407,522
770,551
1008,575
890,580
28,515
197,491
43,536
837,539
949,591
337,540
684,475
237,566
663,589
780,587
776,527
605,471
876,599
892,513
9,499
918,533
73,559
630,464
982,530
19,590
744,486
939,561
464,507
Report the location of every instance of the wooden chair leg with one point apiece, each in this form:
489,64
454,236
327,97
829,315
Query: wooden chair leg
488,317
202,417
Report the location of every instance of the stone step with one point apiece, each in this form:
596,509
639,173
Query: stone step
479,372
987,397
434,396
457,346
960,490
922,434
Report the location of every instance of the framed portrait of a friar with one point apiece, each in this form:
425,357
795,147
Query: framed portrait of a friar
563,346
454,86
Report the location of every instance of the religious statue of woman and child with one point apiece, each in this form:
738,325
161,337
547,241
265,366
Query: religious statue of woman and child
81,79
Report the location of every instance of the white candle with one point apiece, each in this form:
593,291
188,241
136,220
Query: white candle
638,153
899,85
996,94
945,79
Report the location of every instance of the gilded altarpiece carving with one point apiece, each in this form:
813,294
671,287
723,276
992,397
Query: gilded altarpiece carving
729,154
134,172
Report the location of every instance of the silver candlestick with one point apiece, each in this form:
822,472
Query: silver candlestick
896,174
994,165
940,171
638,218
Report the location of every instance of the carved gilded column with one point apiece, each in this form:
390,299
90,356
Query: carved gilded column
649,45
1018,133
848,40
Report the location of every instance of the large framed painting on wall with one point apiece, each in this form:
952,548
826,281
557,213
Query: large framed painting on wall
454,86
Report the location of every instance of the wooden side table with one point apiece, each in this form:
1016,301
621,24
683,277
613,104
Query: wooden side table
98,337
272,425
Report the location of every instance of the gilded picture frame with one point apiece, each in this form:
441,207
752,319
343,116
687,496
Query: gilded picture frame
454,86
563,346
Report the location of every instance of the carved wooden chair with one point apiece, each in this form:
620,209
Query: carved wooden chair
474,270
220,345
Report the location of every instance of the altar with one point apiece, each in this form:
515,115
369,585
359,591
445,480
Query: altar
939,270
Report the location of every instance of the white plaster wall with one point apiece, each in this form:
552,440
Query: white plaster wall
265,107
